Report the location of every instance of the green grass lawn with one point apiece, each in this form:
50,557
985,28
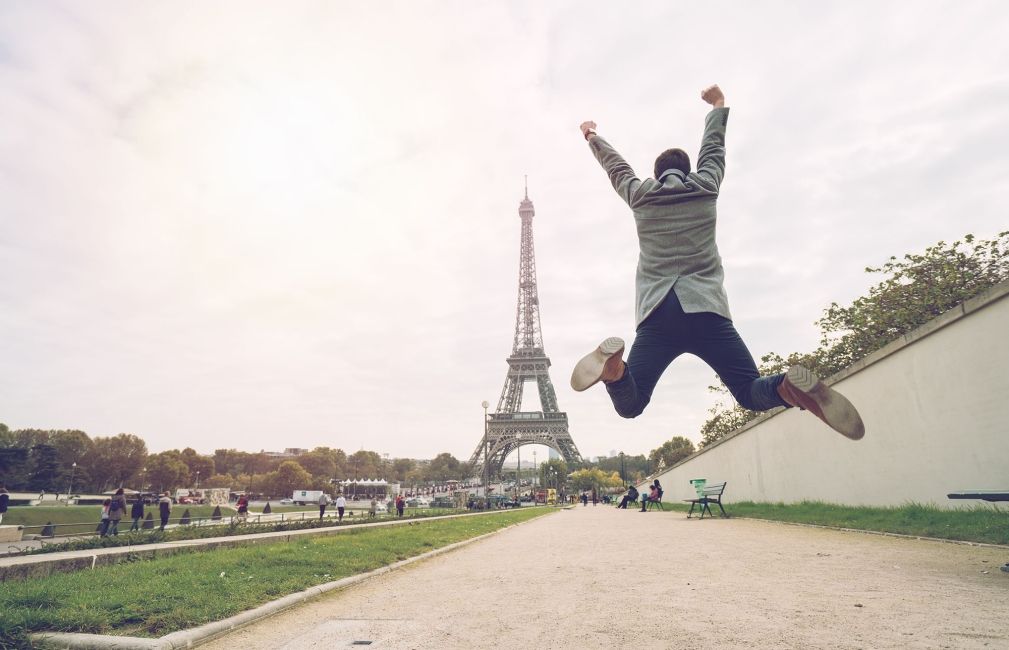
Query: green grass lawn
84,519
155,597
982,523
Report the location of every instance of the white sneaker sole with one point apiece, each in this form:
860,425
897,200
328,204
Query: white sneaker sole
839,413
589,370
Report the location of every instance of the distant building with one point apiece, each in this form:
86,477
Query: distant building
290,452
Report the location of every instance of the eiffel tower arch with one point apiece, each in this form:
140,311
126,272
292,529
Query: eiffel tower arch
509,427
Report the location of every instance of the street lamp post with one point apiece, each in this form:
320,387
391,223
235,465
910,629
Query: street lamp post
143,479
535,476
197,479
486,461
623,478
518,471
73,470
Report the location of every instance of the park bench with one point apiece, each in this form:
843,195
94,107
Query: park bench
709,494
984,495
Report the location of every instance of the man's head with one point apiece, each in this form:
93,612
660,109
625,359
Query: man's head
672,159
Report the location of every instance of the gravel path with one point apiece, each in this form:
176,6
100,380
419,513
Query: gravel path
585,578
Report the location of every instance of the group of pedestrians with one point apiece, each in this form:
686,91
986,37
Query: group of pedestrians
114,509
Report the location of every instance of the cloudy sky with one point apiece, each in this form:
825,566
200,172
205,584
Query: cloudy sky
265,225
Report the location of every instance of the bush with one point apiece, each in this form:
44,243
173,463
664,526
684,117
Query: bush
185,518
217,513
267,509
915,289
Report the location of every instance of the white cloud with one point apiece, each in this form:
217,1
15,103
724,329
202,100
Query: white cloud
291,226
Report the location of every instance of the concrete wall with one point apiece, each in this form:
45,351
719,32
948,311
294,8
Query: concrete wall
936,409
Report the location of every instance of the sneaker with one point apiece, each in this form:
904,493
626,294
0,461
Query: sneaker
801,387
605,363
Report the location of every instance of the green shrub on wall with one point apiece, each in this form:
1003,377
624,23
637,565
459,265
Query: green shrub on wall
916,289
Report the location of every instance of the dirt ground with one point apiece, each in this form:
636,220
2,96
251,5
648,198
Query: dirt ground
598,577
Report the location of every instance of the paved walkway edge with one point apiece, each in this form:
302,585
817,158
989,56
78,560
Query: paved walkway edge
209,631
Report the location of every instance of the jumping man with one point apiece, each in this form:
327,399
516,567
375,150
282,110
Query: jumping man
681,304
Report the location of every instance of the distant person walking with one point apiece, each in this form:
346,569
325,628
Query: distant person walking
374,507
103,524
585,499
117,509
243,507
165,509
681,304
323,502
137,513
5,498
341,505
400,505
595,497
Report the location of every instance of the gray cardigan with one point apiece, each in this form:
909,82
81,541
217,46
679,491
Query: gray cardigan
675,218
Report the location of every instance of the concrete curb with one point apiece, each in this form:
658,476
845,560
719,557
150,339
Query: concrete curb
209,631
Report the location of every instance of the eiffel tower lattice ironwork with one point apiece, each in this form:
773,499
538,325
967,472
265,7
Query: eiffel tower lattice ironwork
509,428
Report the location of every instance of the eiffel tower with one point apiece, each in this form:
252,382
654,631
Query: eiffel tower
509,427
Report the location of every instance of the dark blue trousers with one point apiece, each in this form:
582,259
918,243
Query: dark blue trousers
669,332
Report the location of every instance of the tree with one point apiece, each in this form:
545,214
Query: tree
444,467
45,468
115,461
234,462
219,481
670,452
586,479
401,468
72,446
319,463
13,467
364,464
916,289
166,471
198,466
553,472
290,476
634,467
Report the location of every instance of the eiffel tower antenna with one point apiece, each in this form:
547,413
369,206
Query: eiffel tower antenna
509,426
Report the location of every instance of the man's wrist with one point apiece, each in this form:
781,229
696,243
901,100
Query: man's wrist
588,134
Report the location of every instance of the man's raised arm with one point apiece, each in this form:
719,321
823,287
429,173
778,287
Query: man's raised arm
621,175
711,160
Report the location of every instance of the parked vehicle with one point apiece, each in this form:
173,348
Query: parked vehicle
442,502
286,502
306,497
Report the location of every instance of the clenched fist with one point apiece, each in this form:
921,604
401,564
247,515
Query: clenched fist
587,128
713,95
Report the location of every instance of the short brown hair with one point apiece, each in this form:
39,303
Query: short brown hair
672,159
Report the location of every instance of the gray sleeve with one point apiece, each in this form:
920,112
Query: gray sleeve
621,175
711,160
